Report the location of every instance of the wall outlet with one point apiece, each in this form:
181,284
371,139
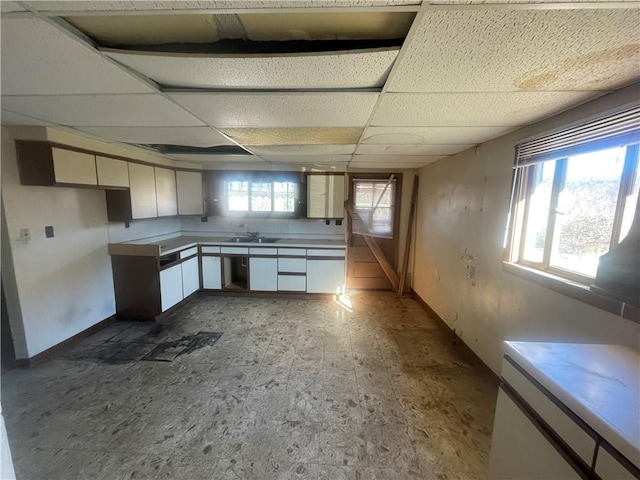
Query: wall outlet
25,235
48,231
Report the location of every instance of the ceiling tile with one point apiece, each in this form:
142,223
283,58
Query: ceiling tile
10,118
393,159
39,59
102,110
472,109
193,136
431,135
212,158
280,110
308,159
8,7
411,149
520,50
348,69
301,149
97,6
294,136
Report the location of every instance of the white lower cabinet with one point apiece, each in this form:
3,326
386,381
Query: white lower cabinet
171,287
292,283
325,276
211,273
520,451
190,277
263,274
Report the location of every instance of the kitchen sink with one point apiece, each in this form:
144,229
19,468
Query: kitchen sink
266,240
241,239
252,240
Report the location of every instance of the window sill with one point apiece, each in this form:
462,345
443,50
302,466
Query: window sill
574,290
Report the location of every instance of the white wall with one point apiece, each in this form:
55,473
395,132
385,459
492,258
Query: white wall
463,204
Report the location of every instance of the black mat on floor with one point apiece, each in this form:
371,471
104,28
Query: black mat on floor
168,351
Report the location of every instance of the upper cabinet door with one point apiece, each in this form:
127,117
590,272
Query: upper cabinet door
143,191
112,172
166,192
74,167
325,196
189,193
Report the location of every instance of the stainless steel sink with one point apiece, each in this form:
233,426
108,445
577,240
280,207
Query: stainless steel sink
266,240
241,240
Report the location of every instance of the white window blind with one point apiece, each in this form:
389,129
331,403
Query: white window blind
613,130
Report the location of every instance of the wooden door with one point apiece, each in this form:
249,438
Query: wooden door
363,270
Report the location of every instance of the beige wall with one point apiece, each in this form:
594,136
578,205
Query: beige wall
463,206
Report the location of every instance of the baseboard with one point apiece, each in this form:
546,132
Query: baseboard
51,351
455,340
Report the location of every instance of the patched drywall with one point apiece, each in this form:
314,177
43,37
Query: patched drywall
462,216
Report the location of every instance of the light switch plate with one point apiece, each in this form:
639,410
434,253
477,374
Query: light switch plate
25,235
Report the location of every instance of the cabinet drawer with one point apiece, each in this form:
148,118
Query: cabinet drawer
292,252
235,250
577,439
292,283
189,252
336,252
263,251
207,249
298,265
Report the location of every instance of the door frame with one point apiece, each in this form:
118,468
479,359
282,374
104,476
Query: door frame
397,209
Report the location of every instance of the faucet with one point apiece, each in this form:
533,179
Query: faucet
254,235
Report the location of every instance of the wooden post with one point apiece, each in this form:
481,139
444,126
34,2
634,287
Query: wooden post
407,243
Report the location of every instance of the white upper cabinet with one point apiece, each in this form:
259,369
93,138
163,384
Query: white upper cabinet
325,196
74,167
166,192
112,172
143,191
189,193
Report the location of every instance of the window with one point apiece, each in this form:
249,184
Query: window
261,196
575,195
256,194
374,202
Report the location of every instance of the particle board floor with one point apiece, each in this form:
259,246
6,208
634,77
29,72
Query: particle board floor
292,389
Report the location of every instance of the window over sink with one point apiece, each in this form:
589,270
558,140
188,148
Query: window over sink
257,194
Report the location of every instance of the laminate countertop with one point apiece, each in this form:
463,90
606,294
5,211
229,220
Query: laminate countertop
159,246
599,383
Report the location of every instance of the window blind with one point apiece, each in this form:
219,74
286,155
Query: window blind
613,130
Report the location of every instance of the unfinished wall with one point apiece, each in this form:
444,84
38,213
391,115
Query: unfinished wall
462,208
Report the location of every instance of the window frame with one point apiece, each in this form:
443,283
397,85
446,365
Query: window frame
219,199
521,204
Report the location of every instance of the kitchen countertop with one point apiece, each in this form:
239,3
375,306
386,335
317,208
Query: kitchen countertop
165,246
599,383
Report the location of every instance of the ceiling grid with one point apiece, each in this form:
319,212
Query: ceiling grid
464,74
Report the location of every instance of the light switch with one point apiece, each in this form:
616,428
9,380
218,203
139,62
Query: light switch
48,231
25,235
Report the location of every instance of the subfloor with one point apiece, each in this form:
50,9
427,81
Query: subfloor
292,389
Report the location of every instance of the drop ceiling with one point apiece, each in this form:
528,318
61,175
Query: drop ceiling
465,73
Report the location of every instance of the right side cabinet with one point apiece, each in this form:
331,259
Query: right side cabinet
325,271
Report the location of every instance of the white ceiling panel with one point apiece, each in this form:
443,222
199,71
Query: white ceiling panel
102,110
294,136
212,158
521,50
280,109
194,136
10,118
431,135
472,109
308,159
39,59
393,159
374,149
348,69
302,149
97,6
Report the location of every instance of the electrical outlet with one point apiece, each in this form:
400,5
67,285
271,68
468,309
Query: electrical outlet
25,235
